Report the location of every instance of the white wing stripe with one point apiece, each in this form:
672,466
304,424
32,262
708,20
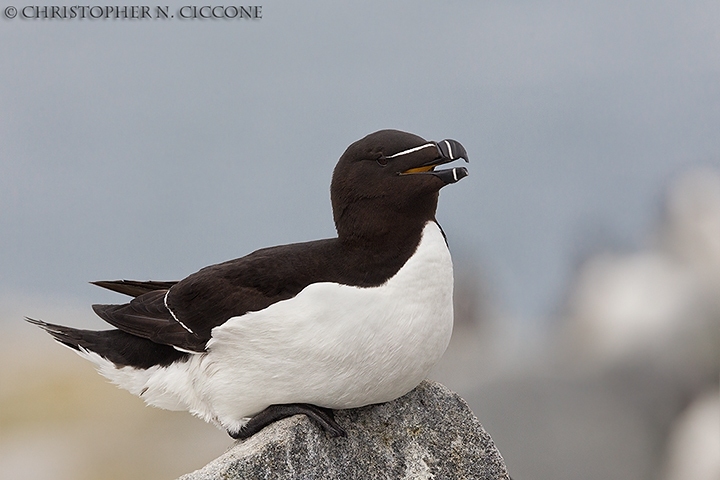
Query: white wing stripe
173,314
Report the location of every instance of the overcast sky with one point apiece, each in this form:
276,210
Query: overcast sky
147,149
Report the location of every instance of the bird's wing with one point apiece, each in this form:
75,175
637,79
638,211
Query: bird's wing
147,316
133,288
214,294
184,314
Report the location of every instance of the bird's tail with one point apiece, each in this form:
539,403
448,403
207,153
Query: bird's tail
116,346
70,337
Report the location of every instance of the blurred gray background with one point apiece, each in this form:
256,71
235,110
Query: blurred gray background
585,239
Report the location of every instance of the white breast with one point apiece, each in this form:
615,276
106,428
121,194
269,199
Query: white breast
331,345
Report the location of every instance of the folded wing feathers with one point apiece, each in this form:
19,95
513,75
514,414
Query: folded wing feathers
147,316
133,288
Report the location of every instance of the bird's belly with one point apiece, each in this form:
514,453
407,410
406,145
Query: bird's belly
334,345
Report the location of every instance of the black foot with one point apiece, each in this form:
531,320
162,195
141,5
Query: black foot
324,417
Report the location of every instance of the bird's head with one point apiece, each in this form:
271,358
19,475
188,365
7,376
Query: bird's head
390,177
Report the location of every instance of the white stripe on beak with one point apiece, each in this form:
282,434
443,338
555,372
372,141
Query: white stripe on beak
450,152
411,150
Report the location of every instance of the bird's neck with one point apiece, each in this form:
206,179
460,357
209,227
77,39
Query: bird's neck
385,231
382,226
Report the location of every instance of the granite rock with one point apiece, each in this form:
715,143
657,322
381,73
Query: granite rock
430,433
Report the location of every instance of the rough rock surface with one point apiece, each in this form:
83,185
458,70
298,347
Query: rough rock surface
430,433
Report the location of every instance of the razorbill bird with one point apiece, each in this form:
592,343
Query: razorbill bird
302,328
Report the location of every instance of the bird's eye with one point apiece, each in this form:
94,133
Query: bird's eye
382,161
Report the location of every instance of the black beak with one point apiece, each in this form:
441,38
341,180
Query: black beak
451,150
448,151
